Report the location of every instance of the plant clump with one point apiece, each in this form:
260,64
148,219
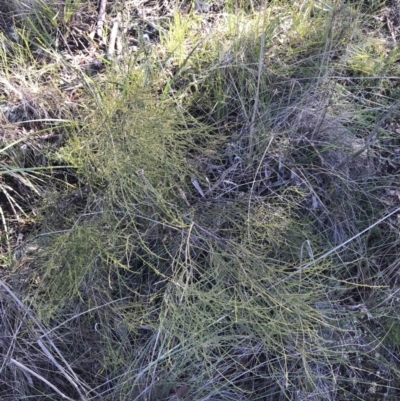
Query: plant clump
211,214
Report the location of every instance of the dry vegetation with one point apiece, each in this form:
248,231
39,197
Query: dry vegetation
199,200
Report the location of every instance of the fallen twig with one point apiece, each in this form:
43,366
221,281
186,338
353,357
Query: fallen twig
113,37
101,19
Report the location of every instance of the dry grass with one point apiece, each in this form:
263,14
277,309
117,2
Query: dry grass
205,225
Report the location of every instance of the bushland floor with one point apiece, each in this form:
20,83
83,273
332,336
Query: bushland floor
199,200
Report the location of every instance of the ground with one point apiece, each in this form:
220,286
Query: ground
199,200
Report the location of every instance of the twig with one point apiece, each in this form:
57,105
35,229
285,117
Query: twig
371,136
101,19
113,37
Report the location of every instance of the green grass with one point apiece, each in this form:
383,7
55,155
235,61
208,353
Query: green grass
190,234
